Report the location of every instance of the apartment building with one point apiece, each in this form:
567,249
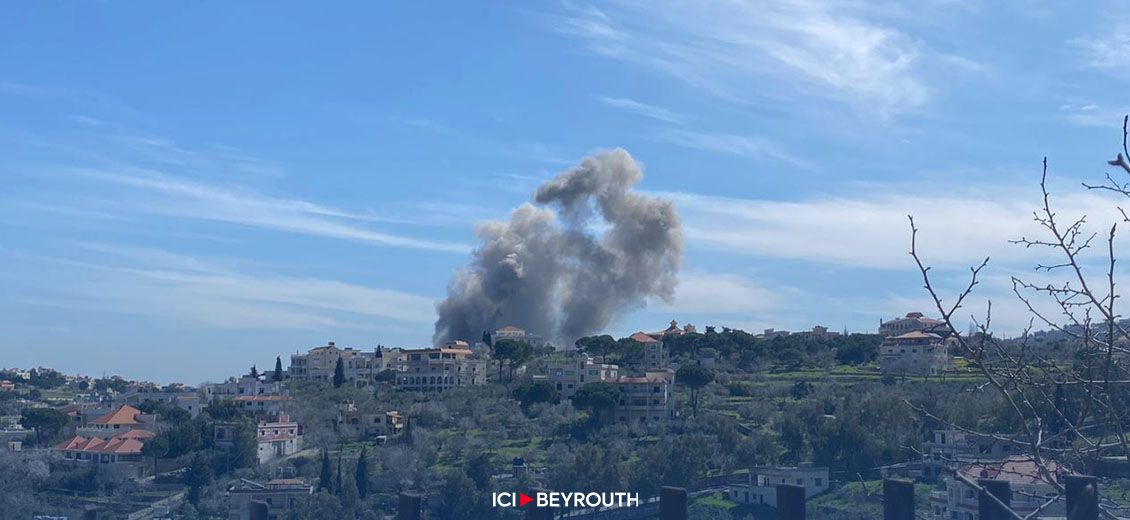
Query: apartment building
437,369
569,373
357,425
278,495
186,399
947,450
319,364
763,482
645,398
515,333
655,356
916,352
245,385
913,321
263,405
1029,489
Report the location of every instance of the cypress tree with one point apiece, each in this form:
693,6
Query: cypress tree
362,474
339,374
278,368
324,480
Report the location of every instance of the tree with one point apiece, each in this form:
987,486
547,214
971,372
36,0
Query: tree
1088,419
47,422
387,375
362,474
487,339
598,346
535,392
325,480
598,398
339,373
513,351
254,372
198,474
695,377
278,376
156,447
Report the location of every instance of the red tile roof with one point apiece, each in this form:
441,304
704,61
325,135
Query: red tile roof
643,338
122,416
1017,469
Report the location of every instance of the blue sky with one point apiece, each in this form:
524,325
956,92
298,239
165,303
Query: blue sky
192,188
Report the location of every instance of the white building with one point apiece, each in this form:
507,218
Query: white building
277,437
437,369
916,352
645,399
280,495
911,322
763,482
572,372
512,332
245,385
1029,489
320,363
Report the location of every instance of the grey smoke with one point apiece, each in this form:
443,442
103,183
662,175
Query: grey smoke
583,252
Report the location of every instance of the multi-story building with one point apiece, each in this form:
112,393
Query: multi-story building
655,356
913,321
763,482
279,495
263,405
320,363
1030,489
512,332
915,352
355,424
646,398
948,450
186,399
437,369
245,385
277,437
569,373
122,450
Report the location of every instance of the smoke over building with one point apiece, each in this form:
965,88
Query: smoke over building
583,252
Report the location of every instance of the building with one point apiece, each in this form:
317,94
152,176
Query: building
763,482
570,373
917,352
355,424
263,405
655,356
948,450
7,386
122,450
277,437
1029,489
320,363
913,321
645,399
279,495
118,421
437,369
186,399
514,333
245,385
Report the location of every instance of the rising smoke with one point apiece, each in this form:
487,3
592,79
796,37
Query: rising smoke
556,270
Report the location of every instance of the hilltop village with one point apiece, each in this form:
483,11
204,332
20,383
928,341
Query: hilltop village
343,431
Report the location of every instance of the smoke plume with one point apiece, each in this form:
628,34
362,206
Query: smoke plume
586,250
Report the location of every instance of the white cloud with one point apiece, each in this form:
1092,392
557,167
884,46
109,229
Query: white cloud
733,50
754,147
872,231
643,109
174,196
1111,51
1091,114
721,294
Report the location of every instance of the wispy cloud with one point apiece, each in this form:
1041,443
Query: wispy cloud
871,231
754,147
1110,51
162,194
727,48
207,291
643,109
1090,114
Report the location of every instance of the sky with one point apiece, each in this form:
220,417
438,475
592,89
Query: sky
187,189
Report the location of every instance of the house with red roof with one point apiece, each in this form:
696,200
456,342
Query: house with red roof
122,450
1031,485
117,421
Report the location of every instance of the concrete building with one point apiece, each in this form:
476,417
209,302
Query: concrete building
512,332
437,369
913,321
280,495
319,364
118,421
244,386
763,482
655,356
357,425
948,450
569,373
263,405
1029,489
186,399
916,352
277,437
645,399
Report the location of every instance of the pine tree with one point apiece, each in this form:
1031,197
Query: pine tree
278,369
339,374
362,475
324,480
337,481
254,372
